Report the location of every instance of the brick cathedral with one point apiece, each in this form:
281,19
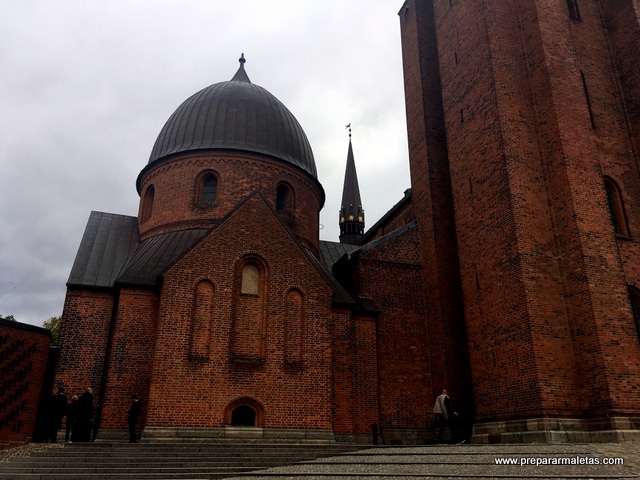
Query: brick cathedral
509,273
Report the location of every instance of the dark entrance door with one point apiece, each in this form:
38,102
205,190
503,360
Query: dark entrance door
243,416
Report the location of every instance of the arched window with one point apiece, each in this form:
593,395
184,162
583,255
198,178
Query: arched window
284,198
206,189
250,279
616,208
147,204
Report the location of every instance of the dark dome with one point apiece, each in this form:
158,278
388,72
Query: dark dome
236,115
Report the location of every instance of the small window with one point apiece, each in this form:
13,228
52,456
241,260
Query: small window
616,208
147,204
250,279
284,198
574,12
206,189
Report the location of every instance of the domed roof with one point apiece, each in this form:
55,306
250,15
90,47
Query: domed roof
236,115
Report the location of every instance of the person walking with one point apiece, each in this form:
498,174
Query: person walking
133,414
445,415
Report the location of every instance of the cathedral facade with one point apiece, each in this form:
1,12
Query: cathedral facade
507,274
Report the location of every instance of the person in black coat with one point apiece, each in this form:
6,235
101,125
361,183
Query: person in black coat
72,412
133,413
84,414
57,407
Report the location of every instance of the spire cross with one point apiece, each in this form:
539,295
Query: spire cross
242,59
349,127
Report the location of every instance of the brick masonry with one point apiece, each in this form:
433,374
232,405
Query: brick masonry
24,351
530,110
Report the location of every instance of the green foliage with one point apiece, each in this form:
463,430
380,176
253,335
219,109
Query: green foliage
11,318
53,324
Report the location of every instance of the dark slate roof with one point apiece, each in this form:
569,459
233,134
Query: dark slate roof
384,238
107,242
331,252
110,253
236,115
154,255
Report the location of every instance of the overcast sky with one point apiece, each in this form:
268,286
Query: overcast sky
86,87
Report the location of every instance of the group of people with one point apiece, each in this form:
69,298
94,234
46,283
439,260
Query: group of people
79,414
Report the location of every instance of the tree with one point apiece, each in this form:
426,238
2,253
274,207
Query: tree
11,318
53,324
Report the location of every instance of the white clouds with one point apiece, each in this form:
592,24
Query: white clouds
87,86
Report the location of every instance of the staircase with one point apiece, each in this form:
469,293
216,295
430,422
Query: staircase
94,461
260,461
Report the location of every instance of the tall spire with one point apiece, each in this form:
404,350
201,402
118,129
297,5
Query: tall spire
241,75
351,212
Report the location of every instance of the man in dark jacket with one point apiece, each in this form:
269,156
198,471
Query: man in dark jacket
84,415
57,407
133,414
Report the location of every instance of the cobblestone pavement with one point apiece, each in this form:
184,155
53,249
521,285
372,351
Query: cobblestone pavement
467,461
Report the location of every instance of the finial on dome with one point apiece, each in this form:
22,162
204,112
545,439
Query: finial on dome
241,75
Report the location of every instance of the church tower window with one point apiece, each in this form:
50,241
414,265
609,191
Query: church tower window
616,208
206,188
284,198
147,204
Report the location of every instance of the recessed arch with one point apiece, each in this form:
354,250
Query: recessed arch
249,316
616,207
147,204
244,412
634,297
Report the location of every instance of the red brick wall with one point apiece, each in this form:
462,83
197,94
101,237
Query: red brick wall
83,339
545,296
238,177
343,369
23,359
391,276
131,355
196,392
432,201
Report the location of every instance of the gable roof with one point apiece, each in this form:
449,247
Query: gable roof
153,255
107,243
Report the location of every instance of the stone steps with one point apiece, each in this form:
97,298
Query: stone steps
306,462
93,461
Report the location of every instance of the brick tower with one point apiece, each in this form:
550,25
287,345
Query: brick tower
523,126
